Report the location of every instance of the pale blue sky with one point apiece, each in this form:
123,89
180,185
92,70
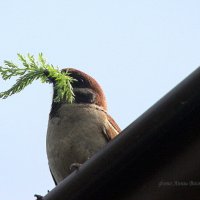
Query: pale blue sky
136,49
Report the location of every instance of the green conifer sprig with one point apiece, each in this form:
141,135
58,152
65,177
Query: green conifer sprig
34,70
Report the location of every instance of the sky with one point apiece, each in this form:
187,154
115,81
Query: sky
137,50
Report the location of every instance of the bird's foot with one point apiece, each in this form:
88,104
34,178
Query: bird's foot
74,166
39,197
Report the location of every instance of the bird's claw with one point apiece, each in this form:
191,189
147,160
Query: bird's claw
39,197
74,166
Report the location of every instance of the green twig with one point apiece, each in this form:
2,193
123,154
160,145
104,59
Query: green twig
34,70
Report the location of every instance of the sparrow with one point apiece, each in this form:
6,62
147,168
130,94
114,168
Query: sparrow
76,131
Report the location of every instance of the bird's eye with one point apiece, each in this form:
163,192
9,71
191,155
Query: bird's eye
81,80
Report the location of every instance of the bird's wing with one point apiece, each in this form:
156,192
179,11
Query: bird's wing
112,129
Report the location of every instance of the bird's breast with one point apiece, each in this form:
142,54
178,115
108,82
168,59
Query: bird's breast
73,136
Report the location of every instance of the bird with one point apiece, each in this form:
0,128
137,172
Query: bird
77,130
